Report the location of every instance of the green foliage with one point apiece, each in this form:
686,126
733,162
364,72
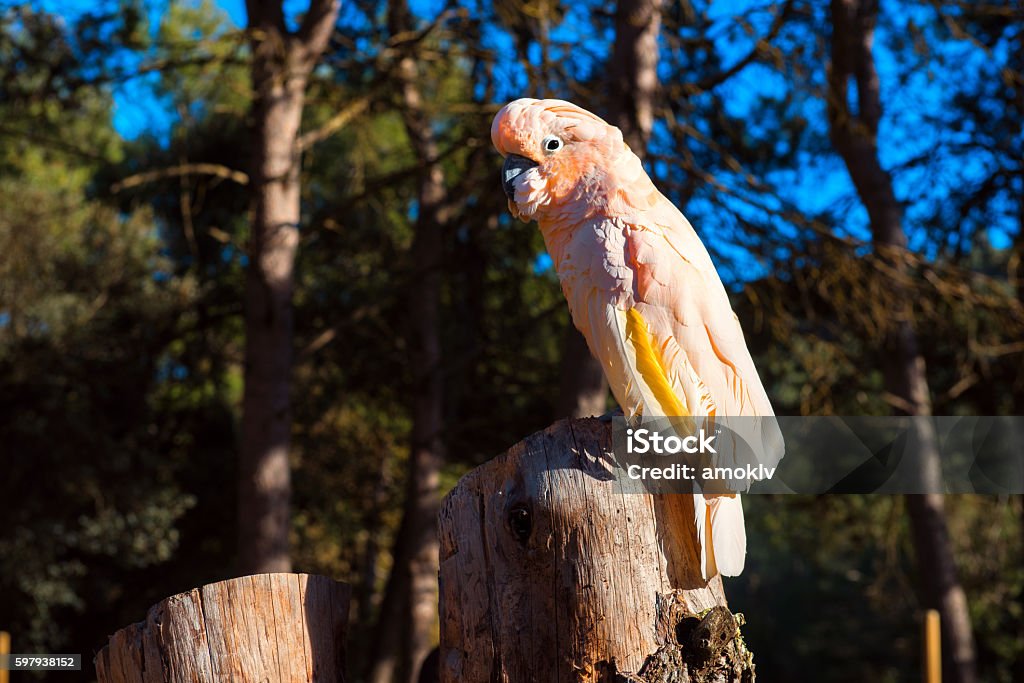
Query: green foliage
205,70
89,476
837,576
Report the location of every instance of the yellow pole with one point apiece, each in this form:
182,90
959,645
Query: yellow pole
932,647
5,649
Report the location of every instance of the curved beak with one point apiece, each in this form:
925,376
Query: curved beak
514,166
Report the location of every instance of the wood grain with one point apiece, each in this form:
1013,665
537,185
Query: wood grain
549,572
286,628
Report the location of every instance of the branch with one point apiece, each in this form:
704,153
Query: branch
55,143
113,76
161,65
401,175
997,349
334,124
318,23
181,170
715,80
408,38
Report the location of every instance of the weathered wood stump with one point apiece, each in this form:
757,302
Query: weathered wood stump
550,573
269,627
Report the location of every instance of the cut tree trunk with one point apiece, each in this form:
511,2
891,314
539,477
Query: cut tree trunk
286,628
550,573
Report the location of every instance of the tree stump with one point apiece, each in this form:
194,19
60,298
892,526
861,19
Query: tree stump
550,573
267,627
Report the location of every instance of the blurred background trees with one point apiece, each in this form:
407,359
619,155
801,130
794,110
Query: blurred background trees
281,63
429,332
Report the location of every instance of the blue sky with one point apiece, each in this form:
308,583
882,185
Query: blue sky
136,110
811,186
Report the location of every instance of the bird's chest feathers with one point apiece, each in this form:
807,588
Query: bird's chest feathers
595,259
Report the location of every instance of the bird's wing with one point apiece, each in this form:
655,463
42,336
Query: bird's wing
700,345
598,285
684,303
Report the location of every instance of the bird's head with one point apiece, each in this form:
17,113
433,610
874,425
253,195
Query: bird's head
558,158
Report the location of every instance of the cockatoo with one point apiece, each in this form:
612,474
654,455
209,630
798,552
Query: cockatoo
641,288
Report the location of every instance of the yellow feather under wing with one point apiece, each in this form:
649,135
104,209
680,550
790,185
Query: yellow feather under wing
622,342
649,366
604,327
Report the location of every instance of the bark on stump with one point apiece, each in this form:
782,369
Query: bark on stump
284,628
548,573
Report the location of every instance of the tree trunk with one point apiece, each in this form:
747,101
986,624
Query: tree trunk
409,612
287,628
1017,279
633,84
633,70
281,64
583,390
855,137
551,573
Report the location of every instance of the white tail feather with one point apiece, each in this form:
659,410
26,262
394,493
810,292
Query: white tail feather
700,511
728,535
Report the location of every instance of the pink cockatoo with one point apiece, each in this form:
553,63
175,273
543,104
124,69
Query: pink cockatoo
641,288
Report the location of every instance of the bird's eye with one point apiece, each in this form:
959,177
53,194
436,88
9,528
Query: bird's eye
551,144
